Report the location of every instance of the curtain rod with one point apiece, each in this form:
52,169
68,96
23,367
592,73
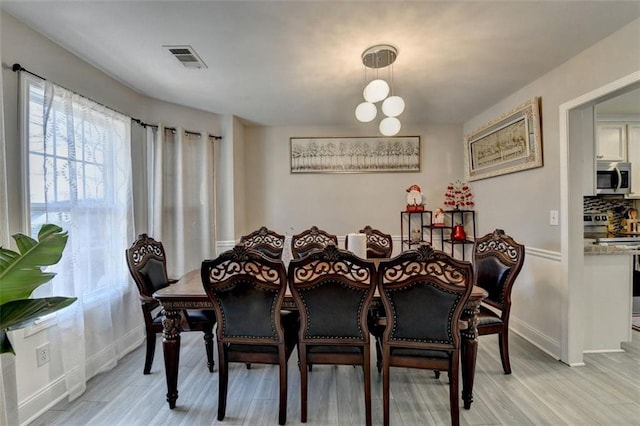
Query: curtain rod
17,67
189,132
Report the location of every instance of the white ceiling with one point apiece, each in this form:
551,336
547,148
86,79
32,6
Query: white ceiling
298,62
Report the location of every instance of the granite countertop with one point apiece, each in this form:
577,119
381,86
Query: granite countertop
600,249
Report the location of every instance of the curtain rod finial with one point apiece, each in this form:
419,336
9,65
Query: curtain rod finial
17,67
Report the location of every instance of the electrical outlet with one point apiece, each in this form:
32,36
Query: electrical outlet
553,217
42,354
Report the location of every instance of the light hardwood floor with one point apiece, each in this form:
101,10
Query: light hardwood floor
540,391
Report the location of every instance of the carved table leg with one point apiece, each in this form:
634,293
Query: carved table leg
171,349
469,351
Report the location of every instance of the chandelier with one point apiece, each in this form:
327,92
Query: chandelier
379,90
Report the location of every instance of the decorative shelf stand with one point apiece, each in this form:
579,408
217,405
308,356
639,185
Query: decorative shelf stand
412,225
420,229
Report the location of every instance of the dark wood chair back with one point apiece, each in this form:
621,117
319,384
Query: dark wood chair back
423,292
333,290
247,289
498,259
268,242
148,267
309,240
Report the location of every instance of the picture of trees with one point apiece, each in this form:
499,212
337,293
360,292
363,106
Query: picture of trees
355,155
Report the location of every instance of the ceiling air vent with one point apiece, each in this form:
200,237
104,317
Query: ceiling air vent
187,56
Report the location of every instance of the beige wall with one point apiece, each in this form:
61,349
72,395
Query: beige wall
520,202
341,203
545,309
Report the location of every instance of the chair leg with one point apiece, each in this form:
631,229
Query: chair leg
151,350
208,345
367,385
385,391
282,415
303,385
453,389
503,339
223,381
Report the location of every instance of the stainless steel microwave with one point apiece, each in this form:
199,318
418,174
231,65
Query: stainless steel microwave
613,178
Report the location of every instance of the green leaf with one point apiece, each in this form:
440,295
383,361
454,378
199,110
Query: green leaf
21,273
18,313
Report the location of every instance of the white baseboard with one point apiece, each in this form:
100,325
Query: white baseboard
47,397
538,339
602,351
35,405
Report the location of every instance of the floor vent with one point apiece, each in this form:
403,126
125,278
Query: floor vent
187,56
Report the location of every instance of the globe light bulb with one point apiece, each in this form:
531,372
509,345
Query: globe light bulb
390,126
393,106
366,112
376,91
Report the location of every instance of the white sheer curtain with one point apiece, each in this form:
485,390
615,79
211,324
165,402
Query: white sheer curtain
80,179
182,196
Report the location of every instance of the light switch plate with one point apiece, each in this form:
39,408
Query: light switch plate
553,217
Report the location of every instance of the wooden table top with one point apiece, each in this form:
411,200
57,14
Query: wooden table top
190,287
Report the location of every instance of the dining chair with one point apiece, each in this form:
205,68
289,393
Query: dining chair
333,290
268,242
498,259
379,246
148,267
247,290
424,292
309,240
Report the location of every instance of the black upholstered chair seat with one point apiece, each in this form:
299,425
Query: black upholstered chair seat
332,349
487,317
418,353
200,315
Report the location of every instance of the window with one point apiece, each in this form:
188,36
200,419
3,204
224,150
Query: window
79,177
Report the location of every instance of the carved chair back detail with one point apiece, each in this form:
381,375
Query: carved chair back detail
309,240
265,241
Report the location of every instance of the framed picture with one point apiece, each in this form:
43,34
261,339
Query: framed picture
355,154
510,143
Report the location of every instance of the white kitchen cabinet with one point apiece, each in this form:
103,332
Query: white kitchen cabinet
607,293
633,156
611,141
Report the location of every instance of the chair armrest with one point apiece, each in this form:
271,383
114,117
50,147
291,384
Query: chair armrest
146,299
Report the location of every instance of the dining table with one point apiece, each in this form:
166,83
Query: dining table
188,293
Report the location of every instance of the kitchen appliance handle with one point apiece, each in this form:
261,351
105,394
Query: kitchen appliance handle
619,184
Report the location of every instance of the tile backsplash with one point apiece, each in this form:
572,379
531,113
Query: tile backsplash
605,205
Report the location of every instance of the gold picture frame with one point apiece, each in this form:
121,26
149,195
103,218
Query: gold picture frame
399,154
510,143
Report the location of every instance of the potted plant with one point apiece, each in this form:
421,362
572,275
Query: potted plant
21,273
